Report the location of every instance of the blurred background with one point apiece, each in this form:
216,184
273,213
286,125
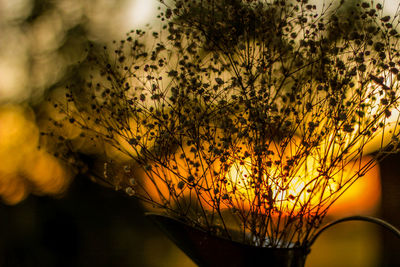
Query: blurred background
51,217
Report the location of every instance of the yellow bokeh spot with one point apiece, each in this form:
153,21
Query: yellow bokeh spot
26,169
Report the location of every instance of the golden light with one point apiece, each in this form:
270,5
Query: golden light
288,195
363,197
26,169
305,188
163,184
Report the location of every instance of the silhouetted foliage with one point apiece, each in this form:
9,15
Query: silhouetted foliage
246,115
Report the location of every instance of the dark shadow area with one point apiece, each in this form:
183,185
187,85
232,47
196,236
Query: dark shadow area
390,173
90,226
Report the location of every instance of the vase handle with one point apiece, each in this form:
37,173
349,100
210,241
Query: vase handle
377,221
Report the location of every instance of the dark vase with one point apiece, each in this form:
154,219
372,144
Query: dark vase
207,250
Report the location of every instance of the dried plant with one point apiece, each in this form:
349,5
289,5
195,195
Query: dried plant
249,116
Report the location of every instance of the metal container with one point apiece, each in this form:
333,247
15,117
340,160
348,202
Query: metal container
208,251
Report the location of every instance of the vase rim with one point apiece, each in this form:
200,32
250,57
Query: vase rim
157,216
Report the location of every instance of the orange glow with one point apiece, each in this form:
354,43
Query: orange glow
46,173
12,188
24,168
363,197
163,184
288,195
